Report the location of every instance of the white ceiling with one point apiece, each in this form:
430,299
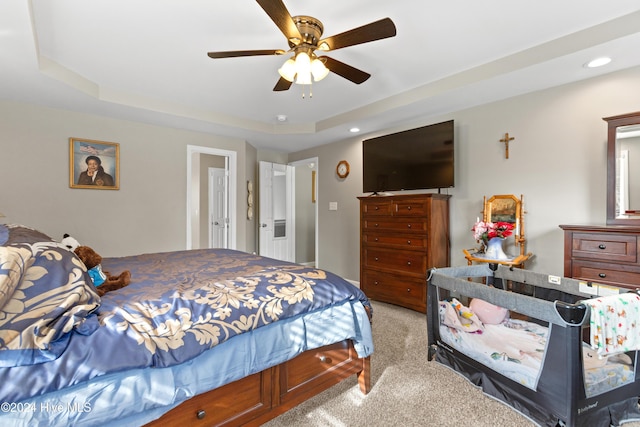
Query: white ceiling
145,60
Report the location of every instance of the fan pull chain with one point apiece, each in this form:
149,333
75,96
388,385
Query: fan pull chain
310,91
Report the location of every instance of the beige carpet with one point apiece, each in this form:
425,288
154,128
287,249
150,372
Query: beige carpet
407,390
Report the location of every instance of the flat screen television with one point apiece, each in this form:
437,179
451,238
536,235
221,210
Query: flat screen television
415,159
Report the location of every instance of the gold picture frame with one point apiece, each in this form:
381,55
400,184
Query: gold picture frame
94,164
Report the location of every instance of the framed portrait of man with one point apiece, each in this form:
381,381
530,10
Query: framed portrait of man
94,164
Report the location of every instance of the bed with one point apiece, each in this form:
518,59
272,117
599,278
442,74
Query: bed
540,358
215,337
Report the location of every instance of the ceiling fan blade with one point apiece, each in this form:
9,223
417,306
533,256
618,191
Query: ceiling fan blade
279,14
237,53
344,70
367,33
283,84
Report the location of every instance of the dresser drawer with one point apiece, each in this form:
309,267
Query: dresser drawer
605,247
406,291
409,208
395,224
401,261
376,208
619,275
399,241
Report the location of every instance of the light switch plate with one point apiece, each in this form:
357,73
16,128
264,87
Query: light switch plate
333,206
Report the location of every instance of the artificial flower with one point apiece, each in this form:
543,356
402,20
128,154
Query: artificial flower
485,231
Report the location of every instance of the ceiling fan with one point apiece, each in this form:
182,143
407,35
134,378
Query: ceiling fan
303,35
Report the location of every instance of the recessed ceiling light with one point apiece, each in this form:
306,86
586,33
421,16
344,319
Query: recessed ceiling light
354,130
598,62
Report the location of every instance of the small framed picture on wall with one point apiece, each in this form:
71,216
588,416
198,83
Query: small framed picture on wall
94,164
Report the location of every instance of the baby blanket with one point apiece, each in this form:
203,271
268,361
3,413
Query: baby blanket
614,323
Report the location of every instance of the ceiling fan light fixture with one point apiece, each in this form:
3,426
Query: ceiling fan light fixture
303,78
303,68
288,70
319,70
303,63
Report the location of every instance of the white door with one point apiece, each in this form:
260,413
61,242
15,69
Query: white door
276,216
218,208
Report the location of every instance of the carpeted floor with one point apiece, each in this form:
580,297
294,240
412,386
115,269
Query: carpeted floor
407,390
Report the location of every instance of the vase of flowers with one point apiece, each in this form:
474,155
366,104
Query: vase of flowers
492,235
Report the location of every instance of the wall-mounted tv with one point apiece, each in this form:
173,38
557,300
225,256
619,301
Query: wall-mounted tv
415,159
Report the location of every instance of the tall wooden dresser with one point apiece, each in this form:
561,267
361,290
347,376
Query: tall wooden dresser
606,254
401,237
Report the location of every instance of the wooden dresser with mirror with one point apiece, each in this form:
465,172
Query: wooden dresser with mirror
610,253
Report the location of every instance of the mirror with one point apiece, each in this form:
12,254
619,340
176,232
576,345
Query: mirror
506,208
623,169
503,208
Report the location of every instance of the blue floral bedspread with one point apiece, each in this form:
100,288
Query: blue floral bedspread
55,331
181,303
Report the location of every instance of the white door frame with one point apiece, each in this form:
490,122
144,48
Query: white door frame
193,208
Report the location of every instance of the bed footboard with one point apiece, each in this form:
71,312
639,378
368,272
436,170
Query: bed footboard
256,399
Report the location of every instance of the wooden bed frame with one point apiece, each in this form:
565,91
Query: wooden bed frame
258,398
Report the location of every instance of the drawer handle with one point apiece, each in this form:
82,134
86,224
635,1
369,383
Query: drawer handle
408,242
408,262
375,225
408,208
409,290
602,246
375,240
375,283
377,208
375,259
325,359
408,225
602,275
201,414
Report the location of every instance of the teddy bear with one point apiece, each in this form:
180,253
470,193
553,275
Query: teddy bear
92,260
103,281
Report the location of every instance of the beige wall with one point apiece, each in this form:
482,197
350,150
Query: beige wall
557,161
147,214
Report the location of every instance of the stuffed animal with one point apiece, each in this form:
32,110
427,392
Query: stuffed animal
69,242
103,281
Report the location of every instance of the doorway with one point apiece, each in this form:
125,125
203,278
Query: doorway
276,215
195,183
217,225
288,214
306,211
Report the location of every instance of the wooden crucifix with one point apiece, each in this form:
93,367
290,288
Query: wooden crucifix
506,140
